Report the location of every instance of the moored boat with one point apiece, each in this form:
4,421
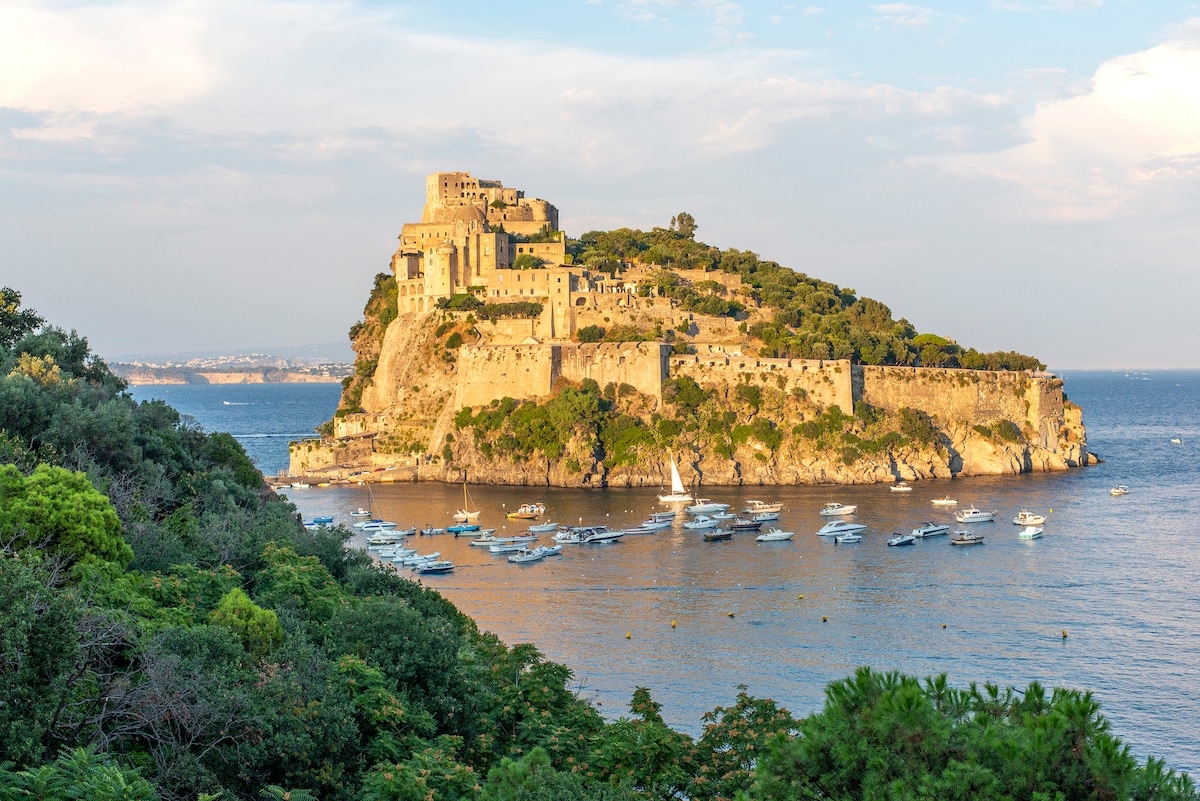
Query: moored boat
543,528
717,534
1120,489
900,486
441,566
703,521
966,538
848,539
655,525
360,512
463,528
527,511
678,494
662,517
834,508
1030,533
898,539
1025,518
704,506
758,507
945,501
836,527
525,556
600,536
742,524
765,517
774,535
973,515
930,529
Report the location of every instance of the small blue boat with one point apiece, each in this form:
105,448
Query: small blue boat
462,528
323,520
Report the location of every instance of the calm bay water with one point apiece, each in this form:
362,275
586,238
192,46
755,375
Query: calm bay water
1119,575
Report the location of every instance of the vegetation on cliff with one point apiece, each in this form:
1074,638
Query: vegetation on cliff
809,318
170,630
366,338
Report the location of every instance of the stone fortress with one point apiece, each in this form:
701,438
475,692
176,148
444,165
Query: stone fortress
471,239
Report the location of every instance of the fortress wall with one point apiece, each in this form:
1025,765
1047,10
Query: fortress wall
643,365
971,396
495,371
826,383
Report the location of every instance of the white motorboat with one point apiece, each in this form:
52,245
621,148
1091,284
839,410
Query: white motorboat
527,511
898,539
774,535
507,547
848,539
678,493
966,538
400,554
299,485
929,529
1025,518
703,521
973,515
568,537
431,531
374,522
1120,489
1030,533
662,517
600,536
837,527
443,566
703,506
384,538
723,515
655,525
900,486
945,501
639,530
543,528
765,517
1176,441
360,512
489,540
832,509
758,507
525,555
742,524
418,558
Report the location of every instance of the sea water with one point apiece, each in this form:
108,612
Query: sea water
1119,577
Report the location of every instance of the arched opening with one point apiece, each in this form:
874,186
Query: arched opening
581,301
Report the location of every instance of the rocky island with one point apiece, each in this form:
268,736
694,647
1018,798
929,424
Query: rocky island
498,350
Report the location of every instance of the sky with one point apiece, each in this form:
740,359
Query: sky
1015,175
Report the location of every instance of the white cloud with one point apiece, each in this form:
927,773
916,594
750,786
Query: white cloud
1128,144
905,14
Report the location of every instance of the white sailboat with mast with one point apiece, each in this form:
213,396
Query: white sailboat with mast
678,493
466,513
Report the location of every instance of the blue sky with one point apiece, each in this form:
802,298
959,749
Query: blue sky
217,175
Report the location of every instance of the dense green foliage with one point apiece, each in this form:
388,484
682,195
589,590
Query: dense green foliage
168,630
366,337
809,318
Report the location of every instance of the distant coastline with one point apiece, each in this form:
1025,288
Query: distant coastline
166,376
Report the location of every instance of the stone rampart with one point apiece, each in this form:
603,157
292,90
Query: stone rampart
643,365
496,371
968,396
827,383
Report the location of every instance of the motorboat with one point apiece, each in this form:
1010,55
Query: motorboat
944,501
758,507
718,534
765,517
549,550
742,524
678,494
360,512
655,525
430,531
489,540
836,527
848,539
380,525
463,528
662,517
600,536
898,539
443,566
930,529
1120,489
418,558
400,554
527,511
1176,441
507,547
568,536
639,530
1025,518
373,522
832,509
703,521
323,521
704,506
1030,533
543,528
525,555
973,515
900,486
966,538
722,515
299,485
774,535
383,538
312,525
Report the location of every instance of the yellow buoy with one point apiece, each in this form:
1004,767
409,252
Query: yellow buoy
672,624
1064,634
799,597
824,619
628,635
943,625
731,614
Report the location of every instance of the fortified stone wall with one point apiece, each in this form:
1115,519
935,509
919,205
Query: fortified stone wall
497,371
969,396
824,382
643,365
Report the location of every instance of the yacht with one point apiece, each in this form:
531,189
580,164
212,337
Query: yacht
758,507
900,486
840,527
702,521
973,515
678,494
1120,489
833,508
1025,518
930,529
704,506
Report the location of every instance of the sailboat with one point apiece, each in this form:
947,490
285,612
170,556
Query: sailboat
465,513
678,493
